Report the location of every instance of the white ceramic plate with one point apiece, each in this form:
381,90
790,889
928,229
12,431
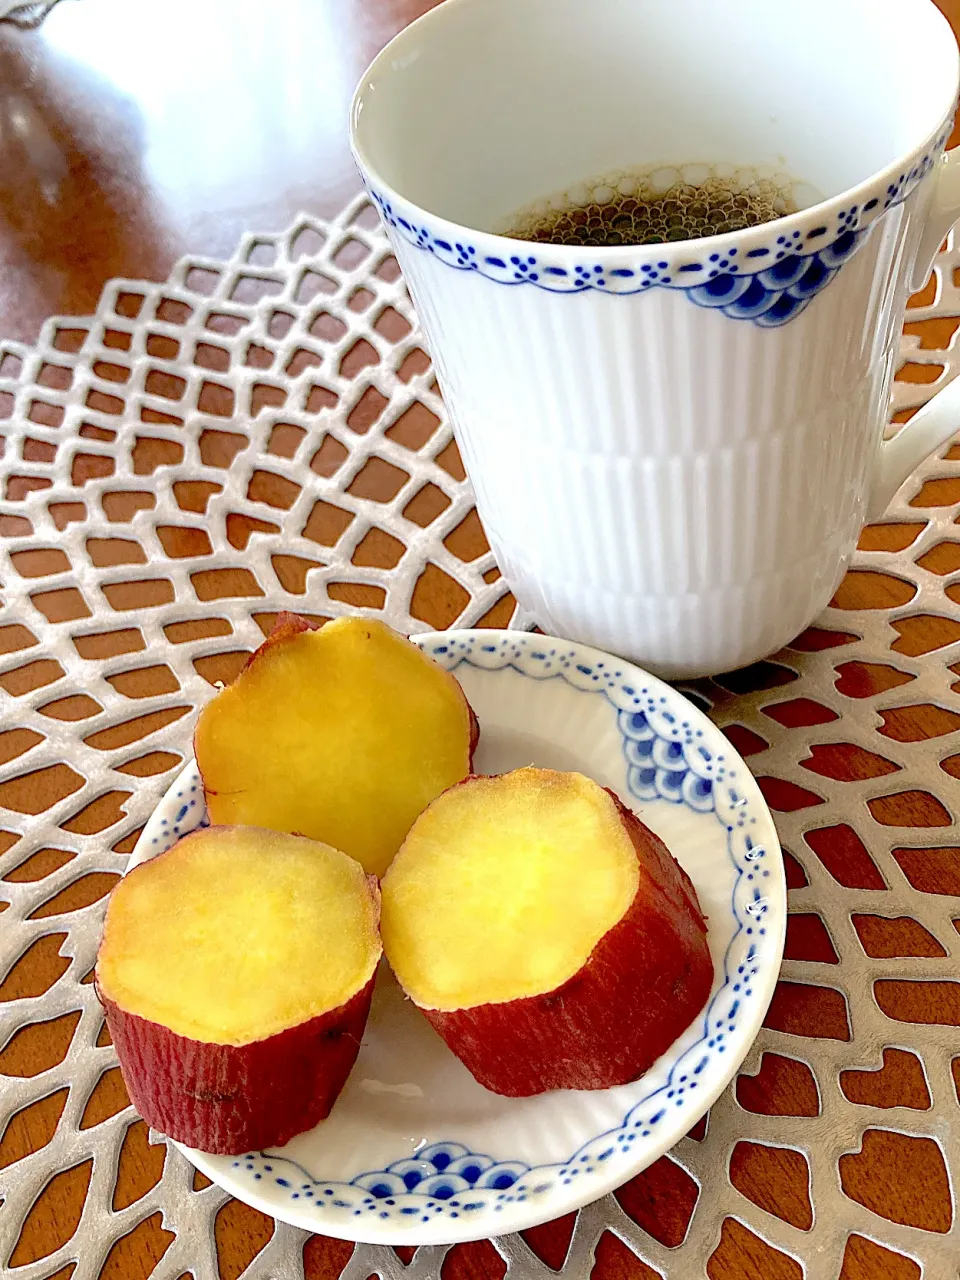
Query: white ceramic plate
415,1151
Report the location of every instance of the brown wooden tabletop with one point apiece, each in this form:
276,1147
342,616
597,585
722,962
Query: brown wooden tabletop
132,133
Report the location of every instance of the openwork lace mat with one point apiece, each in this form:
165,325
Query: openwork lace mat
265,434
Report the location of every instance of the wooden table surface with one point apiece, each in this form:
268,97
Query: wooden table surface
130,134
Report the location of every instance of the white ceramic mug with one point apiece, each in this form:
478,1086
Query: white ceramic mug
674,446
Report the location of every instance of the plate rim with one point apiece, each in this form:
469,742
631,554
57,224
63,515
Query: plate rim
453,647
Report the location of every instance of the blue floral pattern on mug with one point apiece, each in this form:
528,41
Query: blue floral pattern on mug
769,284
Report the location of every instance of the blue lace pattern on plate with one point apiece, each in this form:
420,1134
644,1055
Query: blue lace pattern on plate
769,285
190,813
667,760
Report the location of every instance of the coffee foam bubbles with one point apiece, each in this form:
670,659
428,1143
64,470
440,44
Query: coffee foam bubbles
656,205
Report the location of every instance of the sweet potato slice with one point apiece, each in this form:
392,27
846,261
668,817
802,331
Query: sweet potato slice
236,971
545,932
344,734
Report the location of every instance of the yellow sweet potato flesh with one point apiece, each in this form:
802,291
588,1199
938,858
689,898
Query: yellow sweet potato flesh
503,888
343,734
237,933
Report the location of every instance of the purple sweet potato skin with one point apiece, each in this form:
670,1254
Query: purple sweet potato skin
228,1099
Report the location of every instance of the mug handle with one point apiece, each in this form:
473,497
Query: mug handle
939,419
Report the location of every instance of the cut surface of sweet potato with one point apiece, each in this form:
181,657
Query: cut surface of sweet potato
505,887
545,932
236,972
237,933
343,734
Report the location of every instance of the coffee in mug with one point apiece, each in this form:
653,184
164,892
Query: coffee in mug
657,206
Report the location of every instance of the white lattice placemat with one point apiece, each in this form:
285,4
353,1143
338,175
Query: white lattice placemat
266,434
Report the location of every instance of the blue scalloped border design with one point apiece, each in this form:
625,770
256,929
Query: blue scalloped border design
667,760
769,285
